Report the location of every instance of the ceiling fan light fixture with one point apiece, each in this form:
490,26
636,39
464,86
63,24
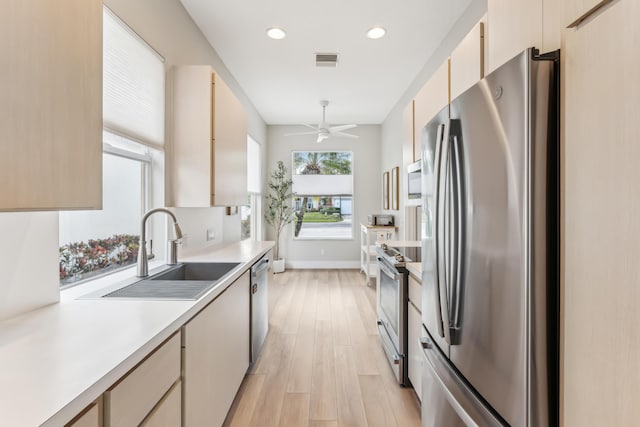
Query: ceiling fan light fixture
276,33
376,32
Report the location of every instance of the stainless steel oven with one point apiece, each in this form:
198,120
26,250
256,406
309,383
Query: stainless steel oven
391,299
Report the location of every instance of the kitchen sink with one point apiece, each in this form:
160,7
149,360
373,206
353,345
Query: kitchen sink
196,271
185,281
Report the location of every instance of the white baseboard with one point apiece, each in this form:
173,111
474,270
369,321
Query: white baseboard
323,265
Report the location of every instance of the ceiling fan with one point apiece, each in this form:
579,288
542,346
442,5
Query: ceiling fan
324,130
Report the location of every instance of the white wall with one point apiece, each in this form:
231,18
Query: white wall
366,194
392,146
29,261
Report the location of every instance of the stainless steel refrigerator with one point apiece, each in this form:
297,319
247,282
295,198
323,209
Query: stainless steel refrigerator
490,245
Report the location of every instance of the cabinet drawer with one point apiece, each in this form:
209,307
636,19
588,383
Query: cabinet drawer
168,413
415,292
129,401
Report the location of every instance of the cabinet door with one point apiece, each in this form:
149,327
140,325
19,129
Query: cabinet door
216,356
601,92
90,417
415,351
51,105
133,397
514,25
208,157
575,10
190,160
229,180
467,61
168,412
432,98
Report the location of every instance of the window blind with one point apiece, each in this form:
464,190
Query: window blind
253,166
133,84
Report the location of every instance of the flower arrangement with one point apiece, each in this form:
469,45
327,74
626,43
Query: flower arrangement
79,259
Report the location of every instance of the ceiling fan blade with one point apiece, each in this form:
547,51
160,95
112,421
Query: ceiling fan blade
309,126
301,133
334,129
346,135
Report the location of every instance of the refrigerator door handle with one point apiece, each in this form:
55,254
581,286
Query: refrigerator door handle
443,231
458,236
464,401
439,215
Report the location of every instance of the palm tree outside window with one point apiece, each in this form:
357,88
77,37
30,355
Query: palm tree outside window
323,187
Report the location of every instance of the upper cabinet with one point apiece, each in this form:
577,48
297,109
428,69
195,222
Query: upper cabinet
51,105
208,153
515,25
467,61
432,98
575,11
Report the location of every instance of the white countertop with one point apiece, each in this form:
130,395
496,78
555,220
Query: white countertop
58,359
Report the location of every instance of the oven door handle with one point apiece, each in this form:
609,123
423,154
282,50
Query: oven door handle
395,276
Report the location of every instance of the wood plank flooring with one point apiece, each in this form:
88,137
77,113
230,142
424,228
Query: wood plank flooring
322,364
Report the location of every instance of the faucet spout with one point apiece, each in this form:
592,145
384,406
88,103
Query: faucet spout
143,263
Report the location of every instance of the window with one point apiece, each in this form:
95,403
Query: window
323,184
250,215
98,242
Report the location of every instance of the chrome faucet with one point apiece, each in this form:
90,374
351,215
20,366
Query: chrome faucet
172,248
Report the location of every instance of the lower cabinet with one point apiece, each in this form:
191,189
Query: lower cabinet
216,356
90,417
136,396
168,413
415,351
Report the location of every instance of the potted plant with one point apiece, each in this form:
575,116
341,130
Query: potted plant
279,211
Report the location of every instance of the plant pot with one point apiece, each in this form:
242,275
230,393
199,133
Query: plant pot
278,265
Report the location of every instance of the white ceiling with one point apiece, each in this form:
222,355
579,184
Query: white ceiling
280,76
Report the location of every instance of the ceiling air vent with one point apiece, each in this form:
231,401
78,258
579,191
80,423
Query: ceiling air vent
326,59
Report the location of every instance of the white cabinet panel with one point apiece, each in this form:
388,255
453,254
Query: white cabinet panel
467,61
415,350
432,98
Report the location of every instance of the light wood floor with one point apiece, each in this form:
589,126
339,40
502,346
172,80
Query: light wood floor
322,364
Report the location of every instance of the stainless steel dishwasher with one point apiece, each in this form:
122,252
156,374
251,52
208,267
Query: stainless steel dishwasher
259,305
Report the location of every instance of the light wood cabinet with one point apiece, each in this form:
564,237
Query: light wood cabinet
168,412
51,105
432,98
601,249
467,61
90,417
216,356
134,396
208,153
414,333
573,11
514,25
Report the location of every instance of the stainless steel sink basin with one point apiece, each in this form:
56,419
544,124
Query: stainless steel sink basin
185,281
196,271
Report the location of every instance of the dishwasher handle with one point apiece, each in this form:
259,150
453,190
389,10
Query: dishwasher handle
259,266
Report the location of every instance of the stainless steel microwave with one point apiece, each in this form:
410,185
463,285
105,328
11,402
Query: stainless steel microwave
414,181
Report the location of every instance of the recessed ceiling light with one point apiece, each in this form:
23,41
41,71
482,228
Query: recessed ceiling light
376,33
276,33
